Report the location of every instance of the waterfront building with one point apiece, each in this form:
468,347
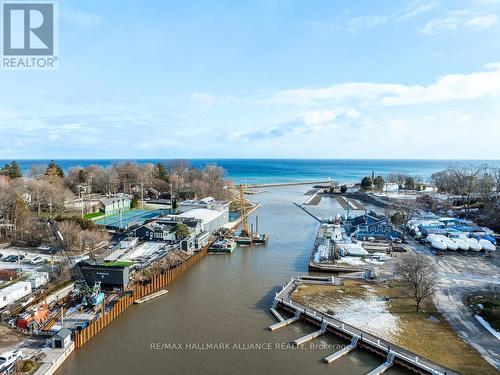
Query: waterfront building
371,225
116,204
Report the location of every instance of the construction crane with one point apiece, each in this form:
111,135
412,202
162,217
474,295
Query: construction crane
89,295
245,231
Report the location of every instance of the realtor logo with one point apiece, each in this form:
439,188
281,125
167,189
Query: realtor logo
29,35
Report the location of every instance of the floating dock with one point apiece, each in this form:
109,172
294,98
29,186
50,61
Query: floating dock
151,296
357,337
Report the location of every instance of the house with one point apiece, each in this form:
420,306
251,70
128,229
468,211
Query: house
62,339
164,228
116,204
371,225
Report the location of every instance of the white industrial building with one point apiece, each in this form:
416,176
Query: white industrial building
14,292
211,219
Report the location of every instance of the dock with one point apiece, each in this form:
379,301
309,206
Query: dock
150,296
340,353
306,211
357,337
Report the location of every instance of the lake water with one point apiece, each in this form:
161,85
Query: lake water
284,170
226,299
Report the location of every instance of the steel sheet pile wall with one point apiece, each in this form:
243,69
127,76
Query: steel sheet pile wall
158,281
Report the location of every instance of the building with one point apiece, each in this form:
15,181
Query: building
14,292
371,225
111,275
212,219
62,339
207,203
164,228
38,279
115,205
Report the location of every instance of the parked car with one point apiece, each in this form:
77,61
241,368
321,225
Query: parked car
13,258
9,358
37,260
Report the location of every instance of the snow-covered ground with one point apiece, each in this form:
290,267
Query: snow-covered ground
370,314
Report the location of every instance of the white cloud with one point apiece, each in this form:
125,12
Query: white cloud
365,22
415,8
483,22
459,20
452,87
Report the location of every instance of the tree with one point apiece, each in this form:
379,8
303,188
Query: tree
398,178
14,171
465,180
409,183
70,231
135,202
418,271
379,183
343,189
406,210
182,231
366,183
93,240
54,170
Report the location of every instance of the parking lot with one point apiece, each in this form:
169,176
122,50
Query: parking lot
31,259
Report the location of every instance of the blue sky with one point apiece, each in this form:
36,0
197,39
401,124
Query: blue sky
292,79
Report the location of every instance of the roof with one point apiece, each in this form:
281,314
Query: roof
63,333
204,214
108,201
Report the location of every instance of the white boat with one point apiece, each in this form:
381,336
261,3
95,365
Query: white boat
450,244
462,245
438,244
472,242
430,237
486,245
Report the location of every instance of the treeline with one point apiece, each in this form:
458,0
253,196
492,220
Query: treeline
403,179
471,182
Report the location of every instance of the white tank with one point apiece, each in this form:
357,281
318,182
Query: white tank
462,245
438,244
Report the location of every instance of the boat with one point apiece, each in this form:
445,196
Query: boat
450,244
438,244
486,245
224,246
462,245
474,244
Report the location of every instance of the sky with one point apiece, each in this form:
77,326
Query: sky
262,79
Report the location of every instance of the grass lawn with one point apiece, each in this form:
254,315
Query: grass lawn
93,215
426,333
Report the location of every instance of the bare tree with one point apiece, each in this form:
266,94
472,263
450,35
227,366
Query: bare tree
70,231
93,240
465,180
419,272
398,178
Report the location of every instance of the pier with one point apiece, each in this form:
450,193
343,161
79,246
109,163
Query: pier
293,183
150,297
302,207
357,337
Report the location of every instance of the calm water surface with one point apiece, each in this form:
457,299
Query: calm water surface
225,299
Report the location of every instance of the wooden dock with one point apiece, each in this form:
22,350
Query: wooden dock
150,297
358,338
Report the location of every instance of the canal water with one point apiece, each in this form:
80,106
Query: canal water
223,302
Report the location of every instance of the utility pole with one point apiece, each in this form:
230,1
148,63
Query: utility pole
142,195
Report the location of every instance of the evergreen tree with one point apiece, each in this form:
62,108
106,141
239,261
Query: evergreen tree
379,183
54,170
135,202
366,183
13,170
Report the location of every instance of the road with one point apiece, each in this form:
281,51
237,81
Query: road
461,274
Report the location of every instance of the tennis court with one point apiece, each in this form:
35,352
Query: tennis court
128,218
